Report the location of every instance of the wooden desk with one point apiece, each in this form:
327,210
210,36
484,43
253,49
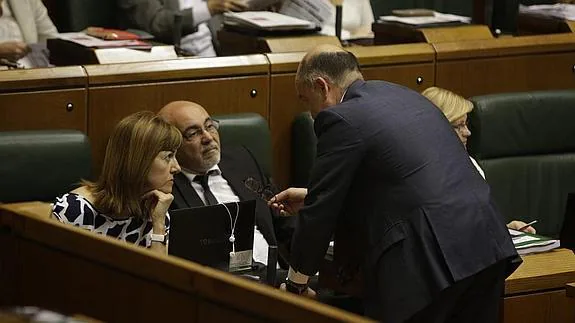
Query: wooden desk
221,85
536,291
43,98
411,65
514,64
234,43
387,33
61,267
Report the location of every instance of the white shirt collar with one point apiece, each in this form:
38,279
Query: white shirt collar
191,176
343,96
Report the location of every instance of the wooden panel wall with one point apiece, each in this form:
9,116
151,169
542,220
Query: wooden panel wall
102,94
545,307
47,98
507,65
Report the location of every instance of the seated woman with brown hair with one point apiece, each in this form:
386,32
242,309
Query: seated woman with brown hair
455,108
130,199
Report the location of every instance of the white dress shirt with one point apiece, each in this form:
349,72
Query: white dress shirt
10,31
477,167
200,42
224,194
355,14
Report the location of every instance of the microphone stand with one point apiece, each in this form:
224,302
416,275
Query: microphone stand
338,17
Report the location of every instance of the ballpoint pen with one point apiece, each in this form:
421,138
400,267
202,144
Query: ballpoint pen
527,225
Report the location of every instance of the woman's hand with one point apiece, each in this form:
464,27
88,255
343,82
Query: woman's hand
288,201
159,202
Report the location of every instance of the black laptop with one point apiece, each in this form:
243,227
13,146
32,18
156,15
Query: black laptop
202,235
567,235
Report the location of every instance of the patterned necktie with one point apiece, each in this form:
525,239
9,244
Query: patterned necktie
208,195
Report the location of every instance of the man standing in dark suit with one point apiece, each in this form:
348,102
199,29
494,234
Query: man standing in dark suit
391,172
212,175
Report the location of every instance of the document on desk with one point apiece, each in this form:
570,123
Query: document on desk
526,243
316,11
558,10
38,55
93,42
437,18
265,20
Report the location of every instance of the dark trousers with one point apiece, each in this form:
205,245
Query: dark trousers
473,299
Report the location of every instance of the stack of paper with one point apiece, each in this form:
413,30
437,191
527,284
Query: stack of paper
437,19
558,10
89,41
316,11
527,243
266,20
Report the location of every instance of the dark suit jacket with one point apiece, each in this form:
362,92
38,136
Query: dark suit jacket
391,171
237,164
155,17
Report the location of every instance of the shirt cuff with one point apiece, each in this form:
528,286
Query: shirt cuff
296,277
201,13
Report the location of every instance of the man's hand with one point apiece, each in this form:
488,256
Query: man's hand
288,201
310,293
221,6
13,50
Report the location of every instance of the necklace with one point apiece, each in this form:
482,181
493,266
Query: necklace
233,222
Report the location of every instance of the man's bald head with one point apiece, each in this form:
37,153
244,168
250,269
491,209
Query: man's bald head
172,111
330,62
323,76
200,149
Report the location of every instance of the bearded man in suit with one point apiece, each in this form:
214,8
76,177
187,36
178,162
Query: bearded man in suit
212,174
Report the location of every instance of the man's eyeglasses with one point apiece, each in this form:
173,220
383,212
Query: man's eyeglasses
211,126
264,192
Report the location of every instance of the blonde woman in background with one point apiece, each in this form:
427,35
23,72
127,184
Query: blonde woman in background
455,108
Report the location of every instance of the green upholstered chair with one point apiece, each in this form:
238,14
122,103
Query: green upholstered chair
250,130
525,143
40,165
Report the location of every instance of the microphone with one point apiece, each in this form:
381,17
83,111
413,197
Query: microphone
271,272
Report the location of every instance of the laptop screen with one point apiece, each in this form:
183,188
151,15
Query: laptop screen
567,235
204,235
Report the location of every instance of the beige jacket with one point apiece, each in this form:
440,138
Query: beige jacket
32,16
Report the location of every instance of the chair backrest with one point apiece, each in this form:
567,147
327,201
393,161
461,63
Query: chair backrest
40,165
525,142
303,149
250,130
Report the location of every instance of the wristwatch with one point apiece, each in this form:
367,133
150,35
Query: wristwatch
295,288
162,238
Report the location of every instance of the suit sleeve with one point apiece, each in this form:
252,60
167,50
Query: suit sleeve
44,25
151,16
339,154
